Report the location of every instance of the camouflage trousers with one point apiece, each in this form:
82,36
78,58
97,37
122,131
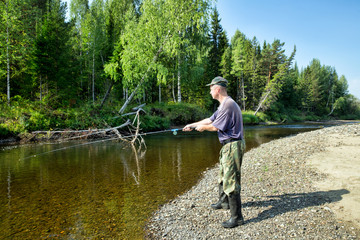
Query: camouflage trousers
231,155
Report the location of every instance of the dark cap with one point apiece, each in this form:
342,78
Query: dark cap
218,81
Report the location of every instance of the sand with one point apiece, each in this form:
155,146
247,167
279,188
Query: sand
341,162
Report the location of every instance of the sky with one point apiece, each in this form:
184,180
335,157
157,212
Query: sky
328,30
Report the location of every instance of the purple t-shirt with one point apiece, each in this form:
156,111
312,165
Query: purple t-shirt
228,119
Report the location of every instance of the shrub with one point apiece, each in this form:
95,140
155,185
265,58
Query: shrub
152,123
177,113
4,132
249,118
37,121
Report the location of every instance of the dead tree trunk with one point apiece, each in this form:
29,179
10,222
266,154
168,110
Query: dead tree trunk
262,102
106,95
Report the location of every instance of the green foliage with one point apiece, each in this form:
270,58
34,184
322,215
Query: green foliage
178,113
25,116
4,131
218,44
153,123
347,107
249,118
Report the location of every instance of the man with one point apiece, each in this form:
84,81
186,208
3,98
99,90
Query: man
227,121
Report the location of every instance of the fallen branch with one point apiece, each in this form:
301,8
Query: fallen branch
53,135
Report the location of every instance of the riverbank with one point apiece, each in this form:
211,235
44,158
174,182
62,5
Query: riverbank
24,119
293,187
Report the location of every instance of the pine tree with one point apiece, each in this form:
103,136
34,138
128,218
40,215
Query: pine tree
218,44
275,66
52,54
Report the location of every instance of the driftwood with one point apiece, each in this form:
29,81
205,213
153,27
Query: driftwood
130,135
74,134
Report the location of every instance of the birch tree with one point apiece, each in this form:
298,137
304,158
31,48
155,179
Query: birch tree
13,42
156,32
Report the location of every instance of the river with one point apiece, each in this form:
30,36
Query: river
106,189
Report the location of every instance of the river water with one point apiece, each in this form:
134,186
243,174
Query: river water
106,189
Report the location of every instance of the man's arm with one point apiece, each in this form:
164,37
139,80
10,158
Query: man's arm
203,125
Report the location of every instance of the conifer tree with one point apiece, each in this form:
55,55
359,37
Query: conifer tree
275,66
218,44
52,54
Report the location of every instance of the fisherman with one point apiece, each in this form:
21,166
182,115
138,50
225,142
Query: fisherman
227,121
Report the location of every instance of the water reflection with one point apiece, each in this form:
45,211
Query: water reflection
9,190
103,190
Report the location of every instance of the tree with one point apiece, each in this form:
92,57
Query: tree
193,65
275,65
289,95
252,73
98,41
52,54
239,58
79,14
15,42
218,44
158,31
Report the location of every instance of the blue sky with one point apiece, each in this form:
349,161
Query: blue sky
328,30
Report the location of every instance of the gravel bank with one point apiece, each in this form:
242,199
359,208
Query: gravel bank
279,197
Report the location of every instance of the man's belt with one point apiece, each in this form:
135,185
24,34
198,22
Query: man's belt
229,140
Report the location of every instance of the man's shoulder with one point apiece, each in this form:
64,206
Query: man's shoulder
231,102
232,106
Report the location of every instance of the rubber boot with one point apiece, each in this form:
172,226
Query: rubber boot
235,210
223,202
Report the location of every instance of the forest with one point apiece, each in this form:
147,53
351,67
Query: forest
86,70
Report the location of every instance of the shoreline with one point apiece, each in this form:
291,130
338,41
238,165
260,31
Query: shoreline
44,137
287,192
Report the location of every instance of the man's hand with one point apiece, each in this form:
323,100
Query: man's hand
188,128
201,128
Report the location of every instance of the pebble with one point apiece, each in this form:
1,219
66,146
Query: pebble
279,199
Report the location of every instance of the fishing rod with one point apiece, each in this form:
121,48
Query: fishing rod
174,131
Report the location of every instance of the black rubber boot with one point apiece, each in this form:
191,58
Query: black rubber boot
235,210
223,202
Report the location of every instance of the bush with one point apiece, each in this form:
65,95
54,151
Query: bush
249,118
153,123
4,132
177,113
37,121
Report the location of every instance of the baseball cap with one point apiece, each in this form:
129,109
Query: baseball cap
218,81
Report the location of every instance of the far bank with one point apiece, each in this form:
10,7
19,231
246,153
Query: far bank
22,118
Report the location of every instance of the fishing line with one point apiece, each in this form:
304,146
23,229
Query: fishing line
174,131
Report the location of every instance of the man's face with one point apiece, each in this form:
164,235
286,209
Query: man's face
214,91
